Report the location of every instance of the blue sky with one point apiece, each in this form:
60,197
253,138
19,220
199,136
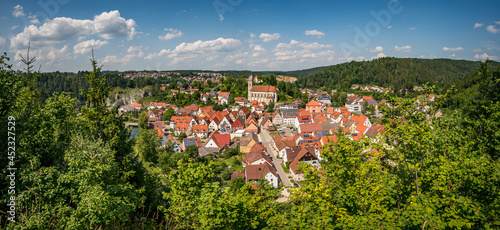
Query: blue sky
243,34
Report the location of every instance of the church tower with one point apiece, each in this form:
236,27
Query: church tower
250,84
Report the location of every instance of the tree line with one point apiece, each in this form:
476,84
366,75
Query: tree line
389,72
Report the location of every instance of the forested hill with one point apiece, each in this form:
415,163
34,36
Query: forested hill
391,72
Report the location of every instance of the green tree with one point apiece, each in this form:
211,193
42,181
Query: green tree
270,107
182,136
148,143
168,114
143,120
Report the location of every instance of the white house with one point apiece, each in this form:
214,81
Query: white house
261,172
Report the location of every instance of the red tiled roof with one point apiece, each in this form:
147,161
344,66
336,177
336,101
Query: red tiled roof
361,128
304,118
303,152
313,103
320,119
237,174
221,139
263,88
256,172
182,127
200,128
311,127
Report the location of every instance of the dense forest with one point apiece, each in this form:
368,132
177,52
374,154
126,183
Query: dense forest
80,171
396,73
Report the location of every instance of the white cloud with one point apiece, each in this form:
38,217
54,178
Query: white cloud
211,46
389,27
109,59
257,48
404,49
33,19
452,55
2,41
412,28
252,35
316,33
52,32
173,33
269,37
107,25
477,25
304,45
110,25
497,22
211,58
221,17
492,29
377,49
47,55
452,49
159,54
87,46
380,55
485,56
18,11
14,27
300,52
476,50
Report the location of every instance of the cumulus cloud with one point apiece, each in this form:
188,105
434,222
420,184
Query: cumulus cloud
269,37
377,49
132,52
33,19
477,50
257,48
300,44
404,49
492,29
477,25
107,25
211,46
485,56
18,11
47,55
380,55
452,49
316,33
452,55
172,33
110,25
159,54
87,46
301,51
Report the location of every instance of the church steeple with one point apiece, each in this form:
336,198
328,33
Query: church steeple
250,83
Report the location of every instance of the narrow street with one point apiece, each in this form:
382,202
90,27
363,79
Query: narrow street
266,140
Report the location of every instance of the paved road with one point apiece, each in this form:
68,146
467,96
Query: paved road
266,139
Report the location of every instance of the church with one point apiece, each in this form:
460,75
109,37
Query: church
261,93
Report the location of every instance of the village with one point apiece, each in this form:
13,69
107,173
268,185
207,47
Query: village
271,141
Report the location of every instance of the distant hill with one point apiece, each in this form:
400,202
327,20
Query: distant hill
391,72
